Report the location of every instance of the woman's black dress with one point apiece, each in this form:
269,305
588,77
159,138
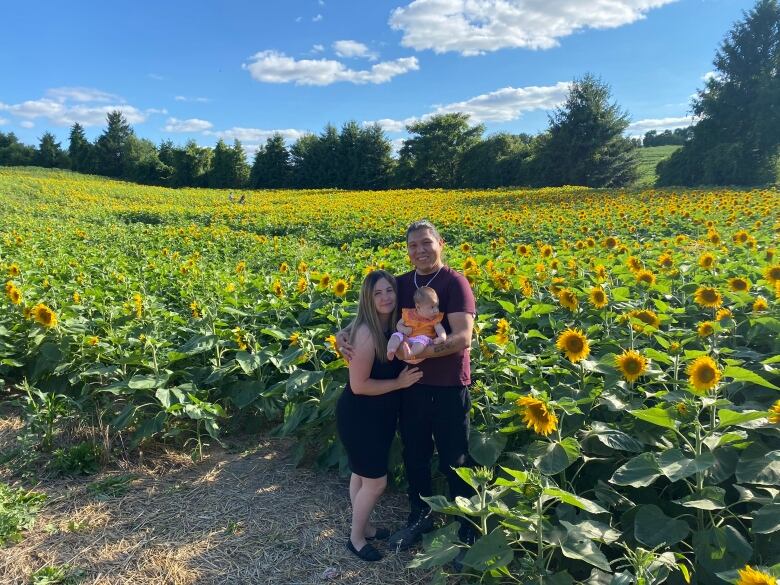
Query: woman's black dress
367,424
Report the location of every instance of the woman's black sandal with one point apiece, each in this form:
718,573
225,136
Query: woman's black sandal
381,534
367,553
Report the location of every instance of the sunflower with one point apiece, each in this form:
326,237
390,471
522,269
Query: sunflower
324,280
340,287
303,267
302,285
574,343
469,264
240,267
772,273
331,340
93,340
502,332
703,373
537,415
295,338
238,337
713,237
634,263
647,317
750,576
665,260
601,272
44,315
760,305
546,251
706,296
598,298
705,329
631,364
138,305
741,237
13,270
283,267
568,299
465,247
522,250
277,289
723,313
610,242
774,413
707,260
645,277
739,284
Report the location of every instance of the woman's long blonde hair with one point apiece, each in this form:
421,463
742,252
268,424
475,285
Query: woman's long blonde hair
366,312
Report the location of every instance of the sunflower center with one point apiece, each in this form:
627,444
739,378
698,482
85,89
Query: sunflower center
574,344
709,295
706,374
632,366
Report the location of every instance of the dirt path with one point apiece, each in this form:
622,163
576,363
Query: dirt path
243,518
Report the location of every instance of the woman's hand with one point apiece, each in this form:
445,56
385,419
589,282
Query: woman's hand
408,376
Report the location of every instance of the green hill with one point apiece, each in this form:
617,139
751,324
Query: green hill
648,159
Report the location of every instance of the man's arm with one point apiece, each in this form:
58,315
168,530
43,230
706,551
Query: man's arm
462,325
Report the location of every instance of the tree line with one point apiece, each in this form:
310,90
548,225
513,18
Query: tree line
734,142
583,145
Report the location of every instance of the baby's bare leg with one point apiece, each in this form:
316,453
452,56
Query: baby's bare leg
417,348
393,344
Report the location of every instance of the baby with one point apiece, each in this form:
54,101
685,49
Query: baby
420,326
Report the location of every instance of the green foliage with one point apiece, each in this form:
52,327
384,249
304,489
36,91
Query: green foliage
585,143
499,160
431,157
229,168
13,152
676,137
80,150
112,146
18,508
271,167
112,486
81,459
49,153
57,575
737,138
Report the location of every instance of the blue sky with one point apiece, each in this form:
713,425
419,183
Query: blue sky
244,69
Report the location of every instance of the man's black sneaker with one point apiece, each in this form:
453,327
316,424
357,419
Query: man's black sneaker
418,524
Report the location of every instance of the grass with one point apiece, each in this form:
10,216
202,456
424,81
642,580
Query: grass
18,509
648,159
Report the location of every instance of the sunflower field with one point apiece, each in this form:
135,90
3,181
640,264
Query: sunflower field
626,405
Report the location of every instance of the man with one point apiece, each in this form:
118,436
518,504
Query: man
436,409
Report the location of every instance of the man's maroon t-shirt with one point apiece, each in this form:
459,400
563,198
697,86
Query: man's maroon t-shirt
455,296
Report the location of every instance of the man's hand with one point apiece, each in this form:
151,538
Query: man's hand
343,345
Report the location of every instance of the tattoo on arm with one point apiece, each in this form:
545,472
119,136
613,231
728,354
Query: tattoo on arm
446,346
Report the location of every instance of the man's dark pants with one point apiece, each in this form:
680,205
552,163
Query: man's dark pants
440,414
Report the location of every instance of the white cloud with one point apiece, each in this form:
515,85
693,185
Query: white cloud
710,75
350,49
298,18
189,125
255,135
641,126
3,121
472,27
317,18
502,105
27,124
184,98
155,76
317,49
59,112
509,103
276,67
81,94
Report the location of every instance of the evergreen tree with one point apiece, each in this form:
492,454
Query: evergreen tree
431,157
239,168
49,154
272,165
585,144
80,150
303,156
143,164
111,148
222,169
376,161
736,140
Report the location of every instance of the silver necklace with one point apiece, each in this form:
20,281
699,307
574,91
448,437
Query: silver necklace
430,281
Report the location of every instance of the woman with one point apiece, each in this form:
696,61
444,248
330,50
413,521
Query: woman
367,411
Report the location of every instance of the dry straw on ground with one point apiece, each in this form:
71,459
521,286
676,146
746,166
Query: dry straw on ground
239,518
